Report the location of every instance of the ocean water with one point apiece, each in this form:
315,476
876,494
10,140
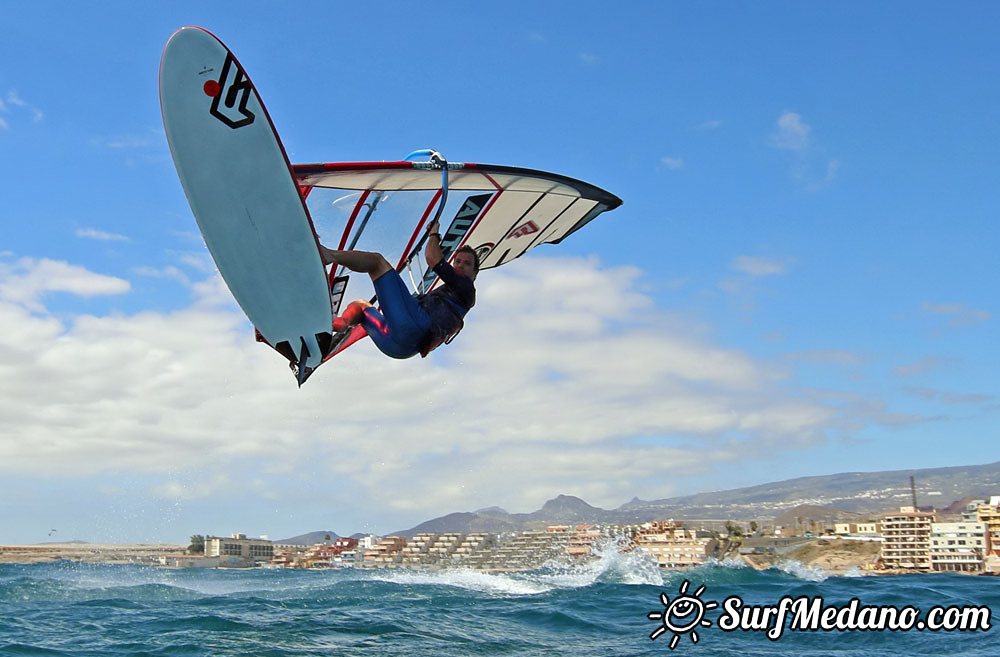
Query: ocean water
599,609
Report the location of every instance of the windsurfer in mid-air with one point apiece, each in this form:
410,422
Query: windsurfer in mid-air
408,324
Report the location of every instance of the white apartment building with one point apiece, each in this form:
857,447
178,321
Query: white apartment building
957,546
368,542
989,515
906,539
239,546
674,546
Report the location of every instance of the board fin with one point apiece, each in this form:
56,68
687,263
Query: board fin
325,341
303,371
285,350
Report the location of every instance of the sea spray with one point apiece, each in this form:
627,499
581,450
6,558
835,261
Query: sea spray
607,563
464,578
728,562
802,571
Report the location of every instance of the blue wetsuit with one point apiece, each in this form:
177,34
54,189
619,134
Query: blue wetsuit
408,323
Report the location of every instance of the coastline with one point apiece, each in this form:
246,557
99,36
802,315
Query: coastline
833,557
113,553
829,557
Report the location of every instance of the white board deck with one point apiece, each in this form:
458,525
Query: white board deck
238,181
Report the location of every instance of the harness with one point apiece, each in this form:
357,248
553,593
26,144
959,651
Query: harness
430,343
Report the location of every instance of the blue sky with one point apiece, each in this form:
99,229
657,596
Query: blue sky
801,280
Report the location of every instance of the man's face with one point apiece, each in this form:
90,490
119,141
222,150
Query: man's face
465,265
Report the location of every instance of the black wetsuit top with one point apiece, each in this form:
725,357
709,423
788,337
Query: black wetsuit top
447,304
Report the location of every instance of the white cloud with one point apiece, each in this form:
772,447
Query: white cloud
192,490
744,290
544,386
128,142
94,234
814,173
792,133
711,125
672,162
169,272
151,137
26,280
13,99
200,261
831,356
588,59
832,167
756,266
920,367
949,397
810,167
213,293
959,313
860,412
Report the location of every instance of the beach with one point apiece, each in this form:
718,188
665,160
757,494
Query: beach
112,553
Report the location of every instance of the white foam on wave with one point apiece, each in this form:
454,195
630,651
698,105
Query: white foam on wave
207,581
729,563
802,571
99,577
608,564
472,580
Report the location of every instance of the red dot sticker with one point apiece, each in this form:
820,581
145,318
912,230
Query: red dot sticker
212,88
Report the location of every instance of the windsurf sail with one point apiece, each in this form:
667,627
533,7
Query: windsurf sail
501,212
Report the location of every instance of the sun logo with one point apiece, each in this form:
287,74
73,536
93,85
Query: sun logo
682,616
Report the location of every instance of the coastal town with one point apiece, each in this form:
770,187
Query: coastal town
910,539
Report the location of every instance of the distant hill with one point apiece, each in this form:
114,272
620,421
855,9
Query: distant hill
860,492
562,510
847,496
850,494
312,538
801,515
465,523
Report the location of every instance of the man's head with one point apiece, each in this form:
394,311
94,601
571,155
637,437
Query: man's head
466,262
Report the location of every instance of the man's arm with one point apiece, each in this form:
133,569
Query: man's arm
432,250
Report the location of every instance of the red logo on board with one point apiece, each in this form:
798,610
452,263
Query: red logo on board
524,229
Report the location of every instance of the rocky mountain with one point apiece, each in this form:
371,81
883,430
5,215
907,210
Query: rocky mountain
563,510
312,538
851,494
465,523
801,516
859,492
843,496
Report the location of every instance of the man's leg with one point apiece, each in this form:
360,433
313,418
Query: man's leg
373,264
352,315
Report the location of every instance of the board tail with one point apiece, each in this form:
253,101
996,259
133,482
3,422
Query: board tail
327,343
